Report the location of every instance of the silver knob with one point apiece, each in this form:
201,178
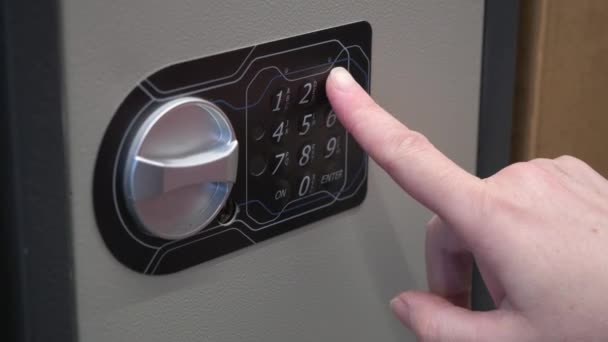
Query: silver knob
180,167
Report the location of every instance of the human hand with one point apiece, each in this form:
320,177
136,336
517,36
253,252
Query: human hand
538,231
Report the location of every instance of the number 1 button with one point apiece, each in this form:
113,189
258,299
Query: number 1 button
278,102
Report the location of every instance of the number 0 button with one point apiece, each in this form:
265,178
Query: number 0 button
305,185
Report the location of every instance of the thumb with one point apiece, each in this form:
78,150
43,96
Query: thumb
433,318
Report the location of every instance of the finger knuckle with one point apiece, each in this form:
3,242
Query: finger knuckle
525,173
571,161
406,141
567,158
541,162
518,169
500,199
512,191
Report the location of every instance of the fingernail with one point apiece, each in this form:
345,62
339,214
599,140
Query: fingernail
341,78
400,308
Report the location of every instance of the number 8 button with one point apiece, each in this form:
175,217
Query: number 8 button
306,154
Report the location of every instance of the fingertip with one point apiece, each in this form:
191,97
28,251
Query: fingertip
346,96
340,79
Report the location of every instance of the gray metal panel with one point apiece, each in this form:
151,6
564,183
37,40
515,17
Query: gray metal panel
327,282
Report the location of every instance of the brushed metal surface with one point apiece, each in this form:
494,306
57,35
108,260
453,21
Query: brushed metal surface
180,166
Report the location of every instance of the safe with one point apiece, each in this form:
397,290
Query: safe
174,171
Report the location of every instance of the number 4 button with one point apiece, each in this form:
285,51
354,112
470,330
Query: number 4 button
280,130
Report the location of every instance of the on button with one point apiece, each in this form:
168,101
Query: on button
281,193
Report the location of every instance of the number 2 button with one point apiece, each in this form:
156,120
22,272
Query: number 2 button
307,93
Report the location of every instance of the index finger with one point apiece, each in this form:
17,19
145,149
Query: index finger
411,160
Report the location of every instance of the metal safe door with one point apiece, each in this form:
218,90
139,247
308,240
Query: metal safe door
329,280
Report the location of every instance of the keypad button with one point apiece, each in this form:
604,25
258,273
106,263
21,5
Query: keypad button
257,166
279,101
332,147
279,131
306,123
280,193
257,132
330,119
306,184
307,93
332,178
279,163
306,154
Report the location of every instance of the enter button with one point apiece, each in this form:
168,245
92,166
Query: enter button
332,180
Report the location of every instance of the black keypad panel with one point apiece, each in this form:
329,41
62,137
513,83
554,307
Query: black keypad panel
297,163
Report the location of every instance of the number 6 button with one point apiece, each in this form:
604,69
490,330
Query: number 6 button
331,119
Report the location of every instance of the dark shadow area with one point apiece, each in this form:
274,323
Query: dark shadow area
501,20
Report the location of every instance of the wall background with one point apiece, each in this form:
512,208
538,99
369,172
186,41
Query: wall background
561,104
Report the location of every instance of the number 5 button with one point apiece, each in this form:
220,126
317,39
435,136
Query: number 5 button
306,123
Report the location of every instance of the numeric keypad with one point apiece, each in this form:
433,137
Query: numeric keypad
306,143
